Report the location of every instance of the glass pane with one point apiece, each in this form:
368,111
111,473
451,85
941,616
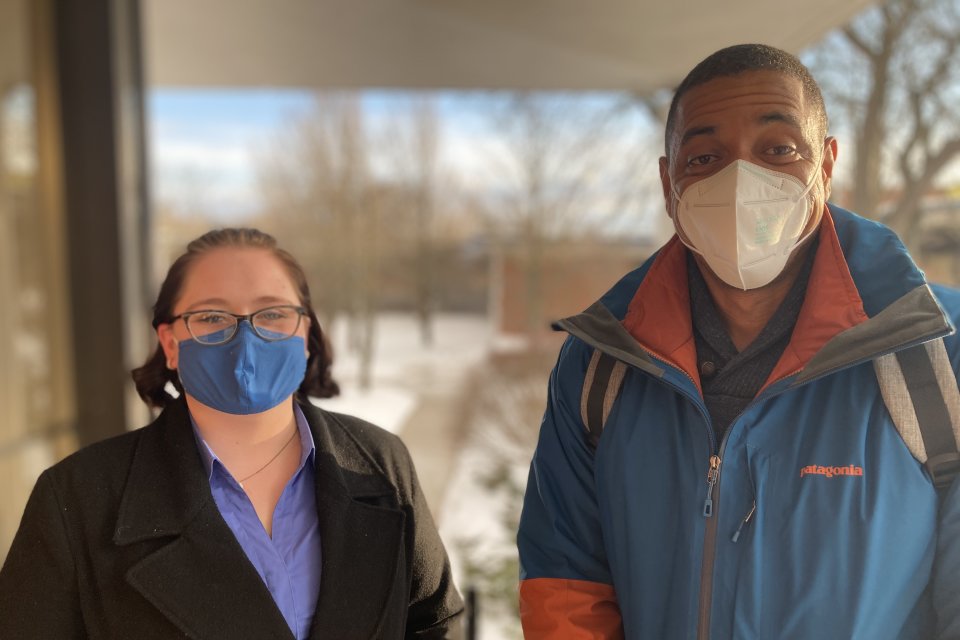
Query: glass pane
35,364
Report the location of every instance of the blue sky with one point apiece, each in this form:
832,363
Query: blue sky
203,143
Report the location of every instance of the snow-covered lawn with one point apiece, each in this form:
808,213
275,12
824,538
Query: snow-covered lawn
471,517
472,527
403,369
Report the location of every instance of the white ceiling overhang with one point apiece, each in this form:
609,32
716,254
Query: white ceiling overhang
492,44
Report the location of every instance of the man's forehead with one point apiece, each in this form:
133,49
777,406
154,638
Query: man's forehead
767,96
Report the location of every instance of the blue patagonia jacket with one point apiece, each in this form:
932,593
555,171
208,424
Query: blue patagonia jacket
810,520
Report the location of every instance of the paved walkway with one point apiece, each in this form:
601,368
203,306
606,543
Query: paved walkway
434,432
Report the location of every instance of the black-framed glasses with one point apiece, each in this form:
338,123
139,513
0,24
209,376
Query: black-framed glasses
211,326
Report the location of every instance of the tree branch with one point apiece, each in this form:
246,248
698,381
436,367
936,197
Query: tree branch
858,41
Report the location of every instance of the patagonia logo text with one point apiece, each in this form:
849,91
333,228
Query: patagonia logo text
817,470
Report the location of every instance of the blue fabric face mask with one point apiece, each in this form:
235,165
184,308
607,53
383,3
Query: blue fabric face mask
245,375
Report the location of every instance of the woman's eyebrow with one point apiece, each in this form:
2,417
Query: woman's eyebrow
209,303
273,300
220,304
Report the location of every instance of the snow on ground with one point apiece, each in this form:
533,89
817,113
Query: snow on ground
405,373
385,407
470,513
471,524
403,369
478,519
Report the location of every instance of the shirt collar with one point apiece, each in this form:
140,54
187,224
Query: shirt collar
307,445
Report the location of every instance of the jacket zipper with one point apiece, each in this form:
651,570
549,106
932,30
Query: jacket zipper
710,506
709,546
744,522
712,474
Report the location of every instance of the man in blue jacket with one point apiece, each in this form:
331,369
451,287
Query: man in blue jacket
748,478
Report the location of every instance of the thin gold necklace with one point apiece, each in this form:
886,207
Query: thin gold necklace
277,455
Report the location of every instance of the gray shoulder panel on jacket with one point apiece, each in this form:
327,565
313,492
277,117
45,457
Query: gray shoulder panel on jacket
913,319
603,331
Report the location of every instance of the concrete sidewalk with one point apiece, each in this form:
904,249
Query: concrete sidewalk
434,433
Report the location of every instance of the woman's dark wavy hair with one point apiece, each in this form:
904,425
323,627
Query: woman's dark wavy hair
154,375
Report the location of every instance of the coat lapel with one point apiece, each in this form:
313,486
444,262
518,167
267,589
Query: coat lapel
197,574
362,538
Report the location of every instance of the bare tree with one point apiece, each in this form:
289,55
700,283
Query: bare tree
316,182
413,143
425,128
566,170
893,73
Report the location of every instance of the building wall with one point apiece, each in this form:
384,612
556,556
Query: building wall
572,276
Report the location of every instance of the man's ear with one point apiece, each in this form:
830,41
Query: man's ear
829,159
169,344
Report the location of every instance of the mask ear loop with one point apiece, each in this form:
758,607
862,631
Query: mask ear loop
676,220
806,192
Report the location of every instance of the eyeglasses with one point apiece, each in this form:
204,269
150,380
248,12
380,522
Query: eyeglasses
211,327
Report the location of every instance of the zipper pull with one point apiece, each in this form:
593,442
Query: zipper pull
712,474
743,523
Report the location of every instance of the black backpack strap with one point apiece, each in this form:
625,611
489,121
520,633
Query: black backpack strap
601,385
932,384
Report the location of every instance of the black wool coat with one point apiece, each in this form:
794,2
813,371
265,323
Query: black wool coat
123,540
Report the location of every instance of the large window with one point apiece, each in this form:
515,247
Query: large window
36,409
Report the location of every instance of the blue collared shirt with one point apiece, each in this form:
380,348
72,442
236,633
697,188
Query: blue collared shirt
289,562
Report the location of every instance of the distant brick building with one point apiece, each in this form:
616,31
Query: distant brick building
572,276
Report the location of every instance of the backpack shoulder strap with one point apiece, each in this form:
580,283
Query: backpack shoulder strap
919,388
601,385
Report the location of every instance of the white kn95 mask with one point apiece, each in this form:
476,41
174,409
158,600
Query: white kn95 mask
745,221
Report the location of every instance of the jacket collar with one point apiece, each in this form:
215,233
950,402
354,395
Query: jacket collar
876,303
198,575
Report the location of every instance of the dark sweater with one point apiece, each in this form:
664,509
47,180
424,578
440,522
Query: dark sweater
731,379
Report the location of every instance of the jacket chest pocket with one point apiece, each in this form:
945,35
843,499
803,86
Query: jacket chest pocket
837,520
786,538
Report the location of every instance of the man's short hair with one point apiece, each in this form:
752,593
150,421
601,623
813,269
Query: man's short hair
742,58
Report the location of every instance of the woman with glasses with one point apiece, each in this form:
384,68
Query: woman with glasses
243,511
